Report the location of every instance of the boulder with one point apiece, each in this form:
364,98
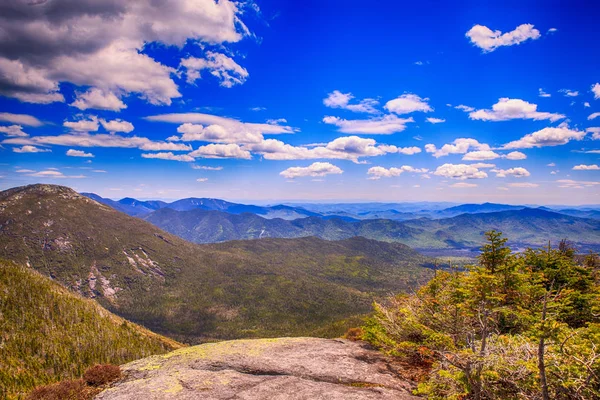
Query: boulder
274,369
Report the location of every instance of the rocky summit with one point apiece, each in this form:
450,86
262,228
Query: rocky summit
285,368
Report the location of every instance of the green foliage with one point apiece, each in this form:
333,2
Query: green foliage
49,334
515,326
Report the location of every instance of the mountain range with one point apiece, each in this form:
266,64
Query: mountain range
270,287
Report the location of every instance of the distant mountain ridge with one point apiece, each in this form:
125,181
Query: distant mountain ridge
525,227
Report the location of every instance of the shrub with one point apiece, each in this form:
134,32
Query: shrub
354,334
65,390
99,375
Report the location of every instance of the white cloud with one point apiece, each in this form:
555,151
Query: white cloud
13,130
463,185
543,94
207,168
100,46
593,116
488,40
481,155
595,131
98,99
523,185
347,148
408,103
337,99
315,169
52,173
221,151
83,125
596,90
169,156
381,172
482,165
583,167
518,172
30,149
435,120
464,108
459,171
100,140
20,119
224,68
506,109
459,146
569,183
546,137
516,155
552,30
78,153
551,165
201,179
197,126
569,93
385,125
586,104
117,125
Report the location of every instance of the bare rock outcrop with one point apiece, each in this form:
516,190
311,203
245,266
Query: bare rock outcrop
274,369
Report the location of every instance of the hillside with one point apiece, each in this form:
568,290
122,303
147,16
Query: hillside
194,292
48,333
524,226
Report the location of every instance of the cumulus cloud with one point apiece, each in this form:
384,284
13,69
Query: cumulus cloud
99,44
20,119
213,128
488,40
381,172
408,103
169,156
481,155
385,125
546,137
221,151
518,172
482,165
224,68
98,99
595,131
596,90
459,146
460,171
13,130
78,153
337,99
435,120
506,109
117,125
583,167
409,151
315,169
30,149
83,125
516,155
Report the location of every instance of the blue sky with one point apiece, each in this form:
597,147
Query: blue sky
319,101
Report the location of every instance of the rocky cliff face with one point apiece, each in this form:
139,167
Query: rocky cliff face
274,369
